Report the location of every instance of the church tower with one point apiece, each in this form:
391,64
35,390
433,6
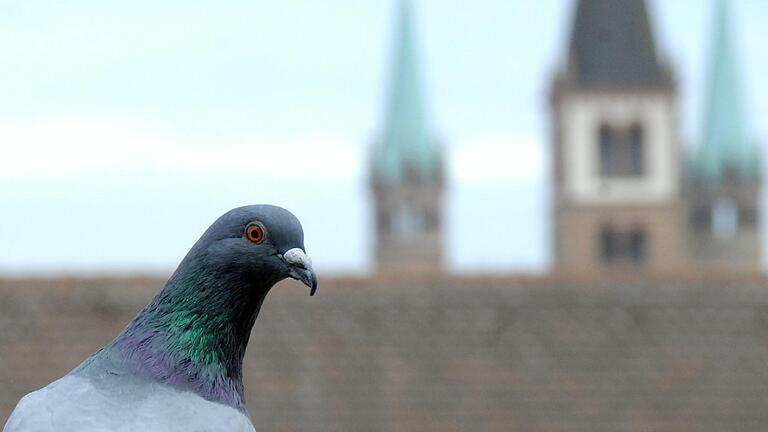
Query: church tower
616,149
406,171
724,177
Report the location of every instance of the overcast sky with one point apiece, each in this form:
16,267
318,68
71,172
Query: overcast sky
127,127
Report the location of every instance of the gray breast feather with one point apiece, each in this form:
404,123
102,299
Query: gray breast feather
81,404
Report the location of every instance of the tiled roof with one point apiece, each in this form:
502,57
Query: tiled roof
490,357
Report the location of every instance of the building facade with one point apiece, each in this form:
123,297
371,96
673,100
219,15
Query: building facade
724,177
616,148
627,202
406,170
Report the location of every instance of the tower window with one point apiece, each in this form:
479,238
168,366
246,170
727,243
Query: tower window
383,222
747,217
725,218
701,218
607,146
637,245
622,247
432,222
608,245
636,150
622,153
409,221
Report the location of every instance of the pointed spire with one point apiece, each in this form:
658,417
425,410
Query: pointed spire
406,144
726,148
612,44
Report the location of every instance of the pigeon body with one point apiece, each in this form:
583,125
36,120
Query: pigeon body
178,364
75,403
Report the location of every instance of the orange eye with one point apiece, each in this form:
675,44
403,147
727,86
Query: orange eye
254,232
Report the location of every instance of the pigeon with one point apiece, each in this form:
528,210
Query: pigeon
178,365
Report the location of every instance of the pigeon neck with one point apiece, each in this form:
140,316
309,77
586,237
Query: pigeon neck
193,335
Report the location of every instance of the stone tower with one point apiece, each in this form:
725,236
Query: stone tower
616,149
406,171
724,178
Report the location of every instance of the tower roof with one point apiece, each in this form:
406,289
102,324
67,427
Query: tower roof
612,45
726,146
406,145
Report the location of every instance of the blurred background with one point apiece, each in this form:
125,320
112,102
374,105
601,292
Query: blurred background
537,217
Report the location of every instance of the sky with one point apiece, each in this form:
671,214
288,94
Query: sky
126,128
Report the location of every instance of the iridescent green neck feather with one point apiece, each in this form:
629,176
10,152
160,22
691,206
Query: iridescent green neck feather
193,335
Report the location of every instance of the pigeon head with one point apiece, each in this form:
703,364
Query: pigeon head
263,244
194,333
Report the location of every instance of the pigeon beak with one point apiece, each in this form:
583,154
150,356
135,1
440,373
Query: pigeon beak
300,268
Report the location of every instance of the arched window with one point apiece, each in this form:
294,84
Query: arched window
637,245
410,221
725,218
383,220
747,217
621,152
636,151
701,217
607,149
607,244
617,246
431,218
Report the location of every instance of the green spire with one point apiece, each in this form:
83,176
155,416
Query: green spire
406,144
726,147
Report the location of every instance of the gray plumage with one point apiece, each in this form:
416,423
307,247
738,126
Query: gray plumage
178,365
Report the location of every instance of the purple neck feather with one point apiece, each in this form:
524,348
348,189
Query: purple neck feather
192,336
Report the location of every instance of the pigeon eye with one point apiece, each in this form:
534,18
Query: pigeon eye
255,233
